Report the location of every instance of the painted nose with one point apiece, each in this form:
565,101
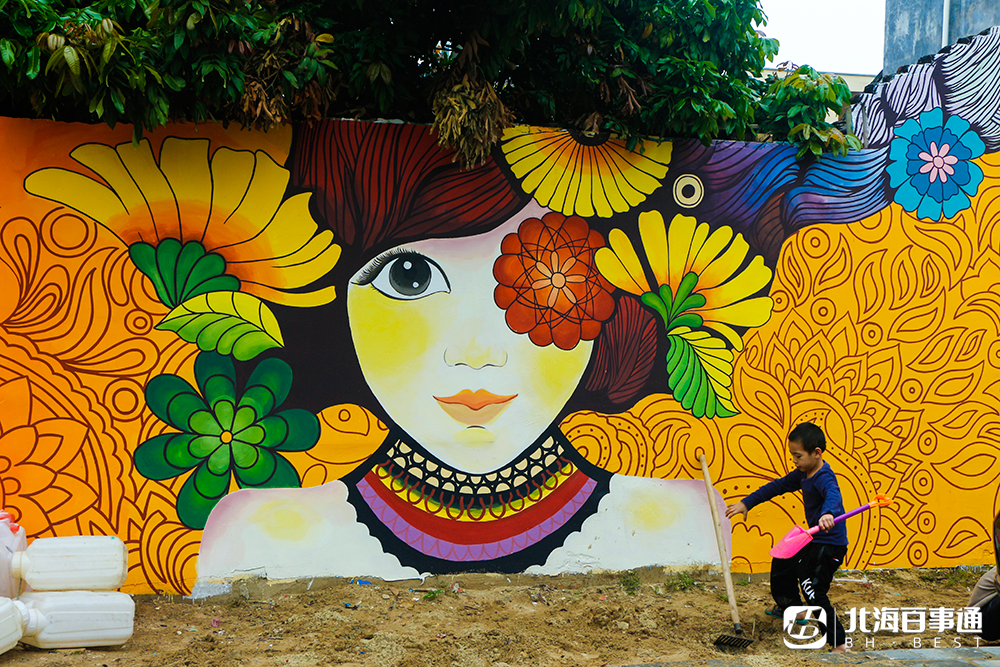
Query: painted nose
475,355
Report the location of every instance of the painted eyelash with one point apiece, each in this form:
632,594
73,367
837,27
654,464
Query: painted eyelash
374,267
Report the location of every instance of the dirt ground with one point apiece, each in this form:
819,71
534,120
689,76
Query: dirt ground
490,621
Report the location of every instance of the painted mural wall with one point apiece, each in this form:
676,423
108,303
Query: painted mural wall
329,350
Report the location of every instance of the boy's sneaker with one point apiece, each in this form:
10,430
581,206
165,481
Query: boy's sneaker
778,612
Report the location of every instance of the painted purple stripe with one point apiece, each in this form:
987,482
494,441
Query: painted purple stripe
437,548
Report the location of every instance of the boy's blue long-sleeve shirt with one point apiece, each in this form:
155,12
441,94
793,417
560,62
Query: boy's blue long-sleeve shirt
820,495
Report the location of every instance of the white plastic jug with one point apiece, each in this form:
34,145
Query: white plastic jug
11,625
70,563
74,619
13,538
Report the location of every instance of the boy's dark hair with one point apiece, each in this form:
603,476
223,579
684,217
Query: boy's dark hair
809,436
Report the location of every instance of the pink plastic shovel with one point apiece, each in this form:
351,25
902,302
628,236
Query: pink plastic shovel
797,538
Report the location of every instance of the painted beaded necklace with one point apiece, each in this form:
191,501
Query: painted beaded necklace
458,520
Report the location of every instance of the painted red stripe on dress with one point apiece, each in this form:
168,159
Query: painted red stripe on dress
468,532
445,550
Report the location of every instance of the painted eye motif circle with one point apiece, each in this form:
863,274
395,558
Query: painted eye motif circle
688,190
410,276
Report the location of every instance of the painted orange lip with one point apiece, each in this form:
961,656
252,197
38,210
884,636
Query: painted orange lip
474,408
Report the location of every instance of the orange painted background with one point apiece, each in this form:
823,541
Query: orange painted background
886,332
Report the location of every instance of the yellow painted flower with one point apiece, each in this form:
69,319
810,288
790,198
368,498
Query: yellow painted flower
579,177
697,274
232,204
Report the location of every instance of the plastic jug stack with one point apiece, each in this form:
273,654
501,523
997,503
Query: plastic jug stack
66,619
13,538
68,583
98,563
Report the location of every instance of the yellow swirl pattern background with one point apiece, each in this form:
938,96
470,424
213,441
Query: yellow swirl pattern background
885,333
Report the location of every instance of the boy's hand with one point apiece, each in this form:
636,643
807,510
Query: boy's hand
738,508
826,522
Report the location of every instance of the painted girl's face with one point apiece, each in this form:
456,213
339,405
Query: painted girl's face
439,357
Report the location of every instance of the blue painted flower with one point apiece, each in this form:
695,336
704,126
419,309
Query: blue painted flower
930,164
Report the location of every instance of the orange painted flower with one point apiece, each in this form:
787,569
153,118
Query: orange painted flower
37,481
549,284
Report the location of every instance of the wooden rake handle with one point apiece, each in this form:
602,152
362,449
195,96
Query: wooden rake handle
723,554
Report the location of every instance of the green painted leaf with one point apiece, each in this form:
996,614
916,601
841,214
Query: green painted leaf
167,253
267,387
173,400
211,484
258,470
230,323
188,256
251,435
216,377
204,446
292,430
219,463
205,274
165,456
143,255
245,454
656,302
181,272
270,470
204,422
200,494
244,417
700,369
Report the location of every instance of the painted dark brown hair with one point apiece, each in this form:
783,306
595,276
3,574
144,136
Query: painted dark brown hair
379,185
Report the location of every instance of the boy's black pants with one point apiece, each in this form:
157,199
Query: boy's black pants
991,619
811,569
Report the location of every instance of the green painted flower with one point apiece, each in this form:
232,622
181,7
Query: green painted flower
224,436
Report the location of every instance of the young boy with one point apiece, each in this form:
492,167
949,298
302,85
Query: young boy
814,565
986,594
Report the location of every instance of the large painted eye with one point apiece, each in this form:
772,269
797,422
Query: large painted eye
410,276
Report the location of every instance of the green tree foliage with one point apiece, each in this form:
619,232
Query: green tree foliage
147,63
671,68
795,109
